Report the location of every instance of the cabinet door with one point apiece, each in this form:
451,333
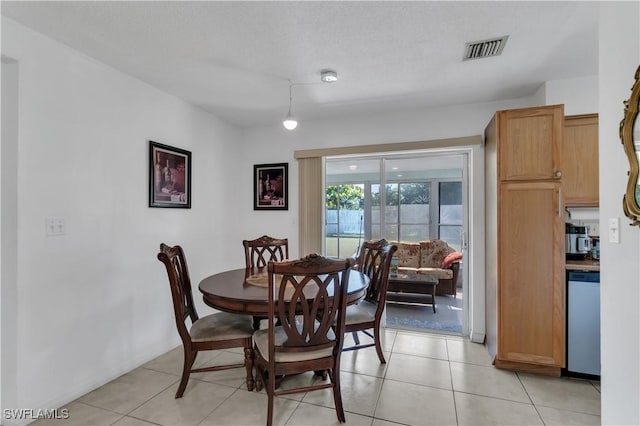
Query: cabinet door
530,143
580,160
531,290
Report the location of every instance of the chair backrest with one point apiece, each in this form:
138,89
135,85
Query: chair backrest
375,261
176,264
308,296
259,252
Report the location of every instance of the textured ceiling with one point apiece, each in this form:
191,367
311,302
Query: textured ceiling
234,58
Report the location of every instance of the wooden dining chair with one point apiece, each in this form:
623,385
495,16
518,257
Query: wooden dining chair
212,332
258,252
308,296
374,261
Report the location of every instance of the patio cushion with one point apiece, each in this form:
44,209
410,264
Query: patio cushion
408,254
433,252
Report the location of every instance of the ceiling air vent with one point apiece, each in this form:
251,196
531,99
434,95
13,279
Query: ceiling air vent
484,48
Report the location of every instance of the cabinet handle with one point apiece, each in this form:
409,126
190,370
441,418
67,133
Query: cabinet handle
558,174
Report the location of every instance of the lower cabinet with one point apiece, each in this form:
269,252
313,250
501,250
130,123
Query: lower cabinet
530,277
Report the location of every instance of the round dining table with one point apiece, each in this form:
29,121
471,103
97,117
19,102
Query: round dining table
229,291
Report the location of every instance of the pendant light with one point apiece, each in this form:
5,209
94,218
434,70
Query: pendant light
326,76
290,122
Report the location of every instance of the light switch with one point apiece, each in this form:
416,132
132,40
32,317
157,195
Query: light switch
614,230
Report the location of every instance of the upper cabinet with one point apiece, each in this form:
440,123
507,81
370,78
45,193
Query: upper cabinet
531,143
580,160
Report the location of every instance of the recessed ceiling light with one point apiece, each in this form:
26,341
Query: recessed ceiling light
394,168
328,76
399,175
353,167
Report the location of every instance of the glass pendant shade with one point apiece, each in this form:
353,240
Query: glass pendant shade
290,122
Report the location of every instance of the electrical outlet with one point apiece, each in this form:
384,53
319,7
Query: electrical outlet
55,226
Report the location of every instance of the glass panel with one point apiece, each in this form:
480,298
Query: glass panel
343,218
451,215
375,231
391,232
414,233
414,193
375,204
331,246
450,193
414,211
331,221
346,180
452,235
391,212
391,215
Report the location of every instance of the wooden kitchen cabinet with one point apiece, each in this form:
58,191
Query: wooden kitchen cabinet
580,161
525,286
531,143
531,326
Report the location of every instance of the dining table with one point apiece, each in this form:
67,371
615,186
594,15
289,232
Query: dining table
239,292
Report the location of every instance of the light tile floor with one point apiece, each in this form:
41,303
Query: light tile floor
429,379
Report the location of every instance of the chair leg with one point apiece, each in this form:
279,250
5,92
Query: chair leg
355,337
376,338
189,358
256,323
259,376
337,396
248,363
271,389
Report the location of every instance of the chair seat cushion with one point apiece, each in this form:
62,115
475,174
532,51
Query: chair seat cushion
221,326
439,273
261,340
364,311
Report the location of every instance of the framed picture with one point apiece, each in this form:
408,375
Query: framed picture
270,186
169,176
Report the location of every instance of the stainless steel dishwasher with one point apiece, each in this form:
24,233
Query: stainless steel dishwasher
583,323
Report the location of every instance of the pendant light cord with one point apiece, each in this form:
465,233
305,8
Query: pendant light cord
290,96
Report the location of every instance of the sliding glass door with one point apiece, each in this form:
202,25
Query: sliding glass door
422,199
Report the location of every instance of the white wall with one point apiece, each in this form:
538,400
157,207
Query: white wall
579,95
95,303
620,263
8,231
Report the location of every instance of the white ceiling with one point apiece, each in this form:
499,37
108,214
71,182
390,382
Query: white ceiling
234,58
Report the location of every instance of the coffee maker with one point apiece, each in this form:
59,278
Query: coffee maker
577,242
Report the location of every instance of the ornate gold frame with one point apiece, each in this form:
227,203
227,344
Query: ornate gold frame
629,201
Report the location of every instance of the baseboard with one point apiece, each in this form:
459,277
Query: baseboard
477,337
527,368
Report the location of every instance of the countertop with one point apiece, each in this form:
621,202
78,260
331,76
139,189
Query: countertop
582,265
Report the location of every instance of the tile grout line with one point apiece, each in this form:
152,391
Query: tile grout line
453,391
535,407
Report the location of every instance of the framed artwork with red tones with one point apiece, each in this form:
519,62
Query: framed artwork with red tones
169,176
270,186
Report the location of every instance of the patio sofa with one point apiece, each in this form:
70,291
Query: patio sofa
432,257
